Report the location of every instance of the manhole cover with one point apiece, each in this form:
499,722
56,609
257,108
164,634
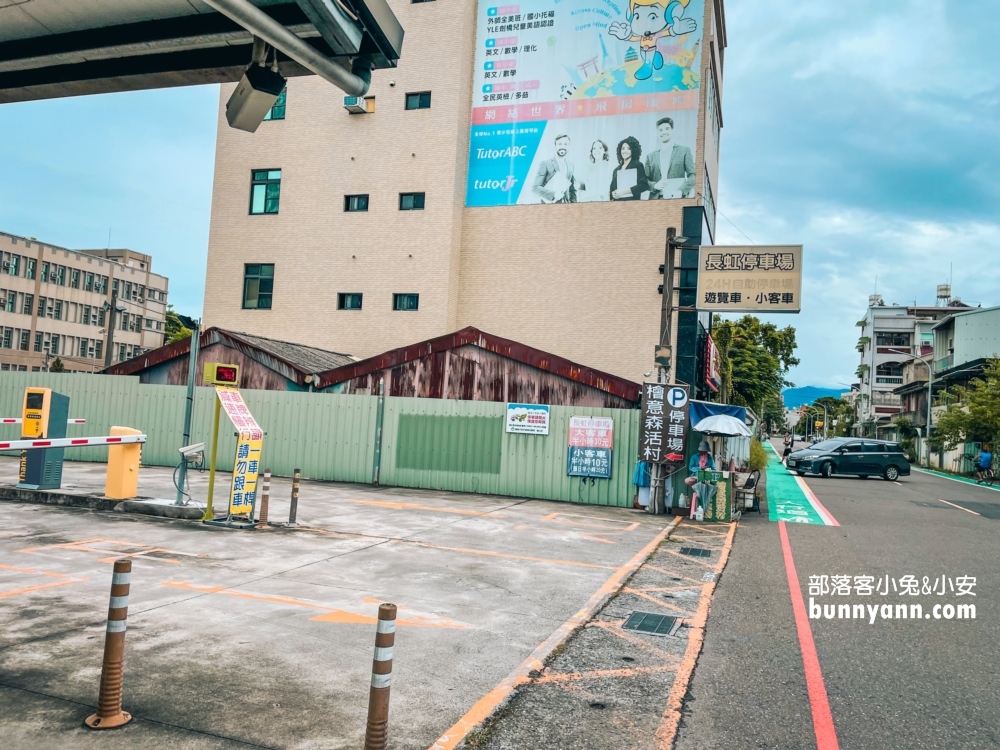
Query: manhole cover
647,622
696,552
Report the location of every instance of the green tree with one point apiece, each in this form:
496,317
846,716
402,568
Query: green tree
754,359
57,365
175,329
839,410
973,415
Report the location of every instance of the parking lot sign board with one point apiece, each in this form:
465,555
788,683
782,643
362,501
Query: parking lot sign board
591,440
246,467
664,424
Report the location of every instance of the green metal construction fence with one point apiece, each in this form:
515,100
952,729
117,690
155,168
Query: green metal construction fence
426,443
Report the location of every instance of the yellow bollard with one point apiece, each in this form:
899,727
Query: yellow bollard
123,467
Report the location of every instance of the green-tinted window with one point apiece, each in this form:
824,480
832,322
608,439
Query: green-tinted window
258,285
405,301
470,445
277,110
349,301
265,190
689,278
29,269
411,201
355,202
419,100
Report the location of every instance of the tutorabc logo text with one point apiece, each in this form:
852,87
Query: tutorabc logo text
505,184
501,153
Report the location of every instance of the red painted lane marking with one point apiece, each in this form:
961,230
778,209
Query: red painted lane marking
826,515
819,704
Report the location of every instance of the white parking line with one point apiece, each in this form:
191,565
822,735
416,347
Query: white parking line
959,507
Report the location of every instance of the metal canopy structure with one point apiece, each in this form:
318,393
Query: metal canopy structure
59,48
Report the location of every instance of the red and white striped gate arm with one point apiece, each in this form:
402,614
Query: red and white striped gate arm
15,445
13,420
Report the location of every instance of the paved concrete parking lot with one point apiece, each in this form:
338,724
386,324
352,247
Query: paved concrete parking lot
265,638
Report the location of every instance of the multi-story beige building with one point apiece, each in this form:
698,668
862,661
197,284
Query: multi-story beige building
359,232
55,302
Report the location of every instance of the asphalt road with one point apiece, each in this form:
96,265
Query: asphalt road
901,684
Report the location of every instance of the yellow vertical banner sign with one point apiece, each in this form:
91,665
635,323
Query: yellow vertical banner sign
243,490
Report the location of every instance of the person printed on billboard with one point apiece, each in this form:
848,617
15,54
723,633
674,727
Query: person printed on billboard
597,174
648,22
669,169
630,171
554,181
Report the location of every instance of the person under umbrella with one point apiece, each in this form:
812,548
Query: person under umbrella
700,461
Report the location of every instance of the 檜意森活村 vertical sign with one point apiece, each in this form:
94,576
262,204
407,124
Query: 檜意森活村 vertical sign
528,419
576,102
591,441
249,445
755,278
665,423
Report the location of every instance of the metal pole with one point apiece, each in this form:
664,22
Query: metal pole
189,406
109,702
111,327
294,508
378,697
655,487
209,512
379,418
826,420
930,396
667,303
265,494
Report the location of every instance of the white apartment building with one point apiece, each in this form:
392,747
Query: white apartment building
54,302
891,336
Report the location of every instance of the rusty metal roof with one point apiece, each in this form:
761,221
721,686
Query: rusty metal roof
505,347
293,361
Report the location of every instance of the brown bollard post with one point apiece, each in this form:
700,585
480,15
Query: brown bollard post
294,509
265,494
378,698
109,703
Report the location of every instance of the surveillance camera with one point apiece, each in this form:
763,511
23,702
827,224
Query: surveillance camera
194,453
646,375
392,83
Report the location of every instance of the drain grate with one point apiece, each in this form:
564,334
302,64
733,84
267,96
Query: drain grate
647,622
696,552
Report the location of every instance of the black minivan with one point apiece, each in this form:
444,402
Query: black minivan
863,457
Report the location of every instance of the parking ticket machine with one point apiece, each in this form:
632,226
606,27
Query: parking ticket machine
43,416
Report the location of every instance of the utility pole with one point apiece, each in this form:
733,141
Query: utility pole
111,327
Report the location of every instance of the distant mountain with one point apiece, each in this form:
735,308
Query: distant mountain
796,397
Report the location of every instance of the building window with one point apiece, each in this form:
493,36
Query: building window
23,345
258,285
8,338
15,265
74,279
45,272
421,1
61,275
277,110
11,303
419,100
38,341
411,201
98,349
892,339
83,348
29,269
405,301
355,202
29,302
348,301
265,191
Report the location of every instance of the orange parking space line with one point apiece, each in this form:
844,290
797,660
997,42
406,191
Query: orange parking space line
435,509
670,721
330,614
39,587
667,588
614,627
671,574
565,519
689,527
35,572
598,674
488,553
655,600
482,708
597,539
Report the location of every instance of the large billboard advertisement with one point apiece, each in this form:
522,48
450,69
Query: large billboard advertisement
580,101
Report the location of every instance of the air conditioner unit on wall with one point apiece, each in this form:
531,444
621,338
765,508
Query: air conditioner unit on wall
359,105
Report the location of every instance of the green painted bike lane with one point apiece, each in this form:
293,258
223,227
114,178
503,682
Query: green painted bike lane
789,497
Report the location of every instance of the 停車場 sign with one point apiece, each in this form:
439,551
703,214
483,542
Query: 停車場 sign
250,442
528,419
750,279
664,426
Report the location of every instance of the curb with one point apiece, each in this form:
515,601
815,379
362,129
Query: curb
498,697
98,503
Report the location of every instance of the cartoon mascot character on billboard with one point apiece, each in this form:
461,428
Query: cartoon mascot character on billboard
648,22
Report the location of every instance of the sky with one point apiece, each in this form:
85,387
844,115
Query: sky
867,132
